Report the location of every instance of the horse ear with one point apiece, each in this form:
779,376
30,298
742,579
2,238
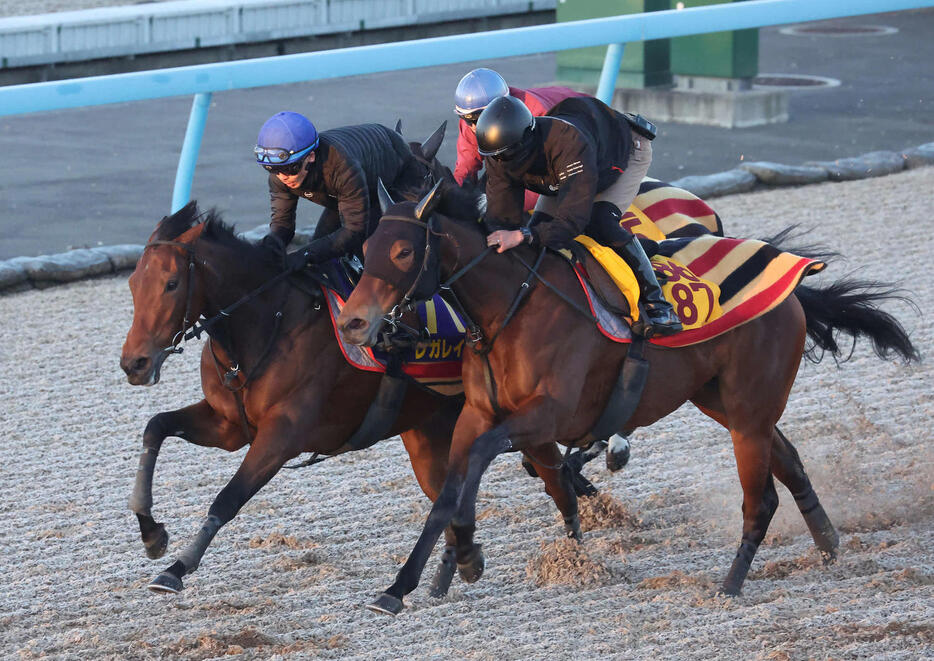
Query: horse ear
429,202
431,145
170,227
399,126
385,199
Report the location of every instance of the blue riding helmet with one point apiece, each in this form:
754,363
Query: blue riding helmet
285,138
476,90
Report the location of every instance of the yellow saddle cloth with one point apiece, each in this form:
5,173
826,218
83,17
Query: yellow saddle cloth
696,301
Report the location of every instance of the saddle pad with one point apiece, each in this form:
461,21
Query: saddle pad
662,211
714,284
435,364
752,277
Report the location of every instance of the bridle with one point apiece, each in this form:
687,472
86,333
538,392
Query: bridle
180,336
194,329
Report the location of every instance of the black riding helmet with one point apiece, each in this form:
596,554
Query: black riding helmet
503,127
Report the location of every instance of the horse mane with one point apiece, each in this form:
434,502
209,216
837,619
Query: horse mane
460,201
215,229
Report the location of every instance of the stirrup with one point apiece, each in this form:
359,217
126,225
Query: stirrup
661,321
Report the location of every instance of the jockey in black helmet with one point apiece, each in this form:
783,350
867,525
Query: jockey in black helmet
586,162
337,169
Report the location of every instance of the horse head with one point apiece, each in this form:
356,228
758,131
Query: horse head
188,268
402,265
165,296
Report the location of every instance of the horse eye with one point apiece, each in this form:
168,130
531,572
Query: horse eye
405,252
171,285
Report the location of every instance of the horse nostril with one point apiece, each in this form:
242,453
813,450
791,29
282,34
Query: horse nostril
356,324
139,364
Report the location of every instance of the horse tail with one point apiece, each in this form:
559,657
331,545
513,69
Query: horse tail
852,307
810,250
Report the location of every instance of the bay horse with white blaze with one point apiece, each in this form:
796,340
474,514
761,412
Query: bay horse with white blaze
546,375
273,377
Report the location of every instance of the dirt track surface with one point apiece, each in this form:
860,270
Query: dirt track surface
289,576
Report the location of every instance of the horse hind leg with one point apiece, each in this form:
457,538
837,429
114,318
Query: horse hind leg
559,484
787,467
760,500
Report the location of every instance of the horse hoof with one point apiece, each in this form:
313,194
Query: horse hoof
572,529
156,543
166,582
386,604
729,591
441,582
617,453
472,569
828,557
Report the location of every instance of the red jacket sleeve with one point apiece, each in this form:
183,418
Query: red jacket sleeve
469,162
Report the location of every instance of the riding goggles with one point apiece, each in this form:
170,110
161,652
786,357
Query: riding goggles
276,158
290,169
471,117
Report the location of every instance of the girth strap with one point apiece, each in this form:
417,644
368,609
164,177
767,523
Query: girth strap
625,396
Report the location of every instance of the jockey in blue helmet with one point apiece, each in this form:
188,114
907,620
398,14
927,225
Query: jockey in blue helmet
284,141
337,169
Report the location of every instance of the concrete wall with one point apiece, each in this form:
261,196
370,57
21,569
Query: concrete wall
132,38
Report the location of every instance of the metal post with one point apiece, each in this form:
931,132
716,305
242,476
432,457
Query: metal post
614,55
190,148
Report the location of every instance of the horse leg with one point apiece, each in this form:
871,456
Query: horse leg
526,426
558,484
617,452
787,467
470,455
760,500
266,456
428,446
575,463
199,424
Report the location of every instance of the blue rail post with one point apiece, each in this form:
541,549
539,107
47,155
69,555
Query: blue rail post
190,148
614,55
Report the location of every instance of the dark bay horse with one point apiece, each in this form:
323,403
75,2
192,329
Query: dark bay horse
547,375
273,376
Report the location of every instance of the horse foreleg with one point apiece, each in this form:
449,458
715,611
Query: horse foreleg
787,467
198,424
470,455
558,484
428,447
262,461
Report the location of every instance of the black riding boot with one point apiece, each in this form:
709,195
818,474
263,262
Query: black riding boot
662,319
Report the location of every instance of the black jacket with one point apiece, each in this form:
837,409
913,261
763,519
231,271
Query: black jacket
577,150
348,163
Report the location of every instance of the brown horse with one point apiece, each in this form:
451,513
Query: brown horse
273,376
547,374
